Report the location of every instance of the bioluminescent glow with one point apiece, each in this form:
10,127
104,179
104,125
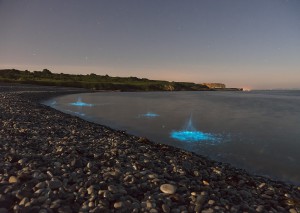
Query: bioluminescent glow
189,126
150,115
80,103
190,134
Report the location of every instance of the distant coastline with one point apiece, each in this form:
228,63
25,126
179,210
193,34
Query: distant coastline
104,82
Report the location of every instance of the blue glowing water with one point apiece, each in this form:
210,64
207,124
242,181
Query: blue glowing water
150,115
190,134
80,103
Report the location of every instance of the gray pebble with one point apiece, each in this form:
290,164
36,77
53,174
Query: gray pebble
40,185
168,188
54,184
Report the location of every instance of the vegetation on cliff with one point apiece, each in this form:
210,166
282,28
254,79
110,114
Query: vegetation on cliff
96,82
215,85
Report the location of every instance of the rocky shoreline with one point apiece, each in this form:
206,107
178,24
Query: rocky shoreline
54,162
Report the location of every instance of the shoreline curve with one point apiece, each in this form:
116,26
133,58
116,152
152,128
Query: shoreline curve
55,162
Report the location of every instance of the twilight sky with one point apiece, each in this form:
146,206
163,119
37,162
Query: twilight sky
242,43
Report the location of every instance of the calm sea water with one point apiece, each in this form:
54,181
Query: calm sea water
258,131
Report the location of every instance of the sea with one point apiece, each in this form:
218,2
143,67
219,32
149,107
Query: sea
258,131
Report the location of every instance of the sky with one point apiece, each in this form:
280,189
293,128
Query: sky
242,43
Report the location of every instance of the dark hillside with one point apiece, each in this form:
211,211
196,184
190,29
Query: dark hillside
95,82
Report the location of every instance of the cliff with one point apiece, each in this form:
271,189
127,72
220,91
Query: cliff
215,85
102,82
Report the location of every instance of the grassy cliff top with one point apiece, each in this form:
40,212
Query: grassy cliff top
96,82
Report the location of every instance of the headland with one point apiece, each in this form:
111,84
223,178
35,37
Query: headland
104,82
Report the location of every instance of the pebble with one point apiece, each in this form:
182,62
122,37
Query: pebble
57,164
269,192
54,184
13,179
153,176
21,194
149,205
112,188
206,183
24,201
40,185
259,208
293,211
22,161
210,210
211,202
262,185
89,165
196,173
118,204
165,208
90,190
266,196
168,188
287,195
245,194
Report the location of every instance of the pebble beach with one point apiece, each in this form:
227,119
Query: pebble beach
54,162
